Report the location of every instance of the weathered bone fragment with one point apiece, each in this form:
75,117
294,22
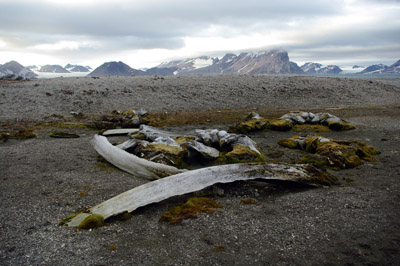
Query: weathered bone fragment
206,152
129,144
120,131
196,180
220,138
131,163
151,133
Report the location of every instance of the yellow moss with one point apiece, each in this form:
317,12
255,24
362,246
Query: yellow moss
251,125
92,221
289,143
320,176
67,219
367,148
315,159
339,155
190,209
242,153
281,125
311,143
218,248
249,201
182,139
61,134
129,112
338,126
336,154
173,155
26,133
311,128
164,148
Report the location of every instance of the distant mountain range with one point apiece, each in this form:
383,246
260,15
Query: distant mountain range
77,68
266,62
67,69
53,69
315,69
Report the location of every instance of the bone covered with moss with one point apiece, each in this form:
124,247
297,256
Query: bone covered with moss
200,145
254,122
333,153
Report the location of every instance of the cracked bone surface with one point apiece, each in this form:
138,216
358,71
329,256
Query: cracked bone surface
131,163
191,181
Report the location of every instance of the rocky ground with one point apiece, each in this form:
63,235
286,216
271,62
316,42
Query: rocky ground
43,179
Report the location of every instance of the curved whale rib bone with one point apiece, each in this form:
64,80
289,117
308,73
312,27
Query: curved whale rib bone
131,163
195,180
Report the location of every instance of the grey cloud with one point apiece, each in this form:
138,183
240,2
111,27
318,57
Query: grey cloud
164,24
172,18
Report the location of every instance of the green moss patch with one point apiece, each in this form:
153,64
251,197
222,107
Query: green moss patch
310,128
290,143
336,154
189,210
280,125
320,175
242,153
62,134
251,125
92,221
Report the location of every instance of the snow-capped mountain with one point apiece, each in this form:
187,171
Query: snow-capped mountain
393,69
311,68
382,69
316,68
188,64
53,69
77,68
374,69
115,69
16,71
266,62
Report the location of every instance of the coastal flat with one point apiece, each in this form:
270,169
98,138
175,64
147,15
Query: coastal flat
44,179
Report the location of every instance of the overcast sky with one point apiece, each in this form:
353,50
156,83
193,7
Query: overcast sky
143,33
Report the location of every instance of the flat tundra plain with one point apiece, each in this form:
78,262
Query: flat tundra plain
44,179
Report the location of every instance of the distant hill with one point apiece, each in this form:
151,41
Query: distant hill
16,71
393,69
53,69
266,62
77,68
374,69
115,69
316,68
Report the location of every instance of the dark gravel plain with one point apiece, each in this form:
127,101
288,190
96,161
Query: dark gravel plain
43,180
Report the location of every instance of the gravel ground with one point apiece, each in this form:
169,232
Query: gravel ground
43,180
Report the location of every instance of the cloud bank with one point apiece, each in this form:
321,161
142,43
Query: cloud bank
142,32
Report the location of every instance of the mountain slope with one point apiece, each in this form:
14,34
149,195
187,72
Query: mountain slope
53,69
393,69
374,69
316,68
189,64
115,69
14,70
76,68
266,62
